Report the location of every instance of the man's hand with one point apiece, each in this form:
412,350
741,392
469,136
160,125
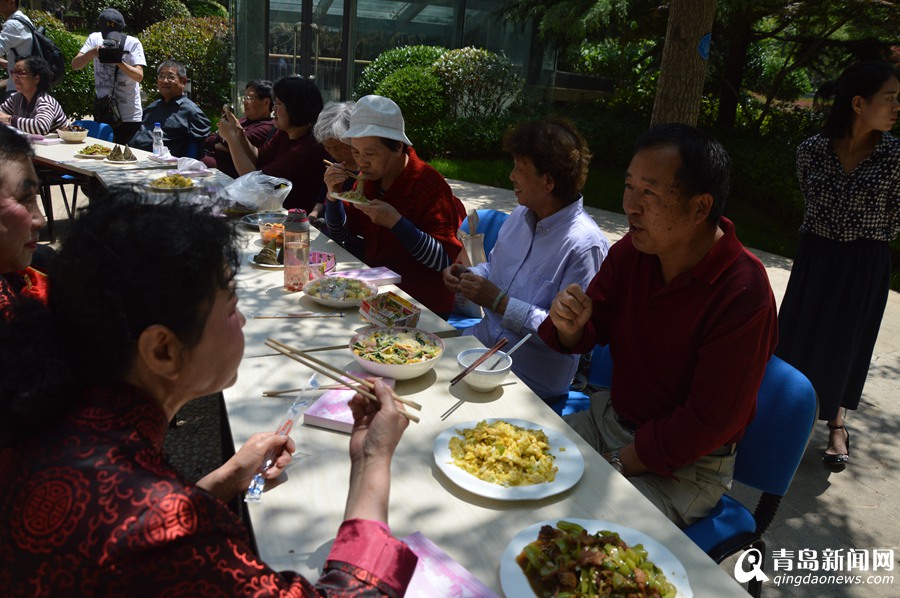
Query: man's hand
569,312
381,213
229,127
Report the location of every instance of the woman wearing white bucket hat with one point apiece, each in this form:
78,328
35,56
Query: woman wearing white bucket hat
410,216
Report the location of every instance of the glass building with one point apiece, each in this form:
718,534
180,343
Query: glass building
333,40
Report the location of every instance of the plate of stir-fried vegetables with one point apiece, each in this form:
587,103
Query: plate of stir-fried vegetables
575,558
396,352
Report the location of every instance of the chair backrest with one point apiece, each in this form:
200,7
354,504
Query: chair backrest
96,130
786,408
489,223
600,374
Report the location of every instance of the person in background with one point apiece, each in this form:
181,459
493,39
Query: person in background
330,128
20,221
546,244
122,78
183,123
410,219
87,403
690,320
16,40
835,298
292,153
257,125
32,109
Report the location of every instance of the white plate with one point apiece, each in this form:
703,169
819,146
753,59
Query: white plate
191,173
266,266
121,161
343,197
339,303
91,156
515,584
171,189
169,160
569,461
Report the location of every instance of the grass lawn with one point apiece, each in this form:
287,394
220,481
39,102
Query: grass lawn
755,227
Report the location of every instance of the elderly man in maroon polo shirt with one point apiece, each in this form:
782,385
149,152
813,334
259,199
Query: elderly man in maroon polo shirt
690,320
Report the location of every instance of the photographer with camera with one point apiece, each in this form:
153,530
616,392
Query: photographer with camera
118,71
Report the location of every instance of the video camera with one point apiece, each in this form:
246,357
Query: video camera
112,49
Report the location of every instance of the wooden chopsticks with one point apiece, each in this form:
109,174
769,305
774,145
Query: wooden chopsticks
497,346
349,173
360,385
287,391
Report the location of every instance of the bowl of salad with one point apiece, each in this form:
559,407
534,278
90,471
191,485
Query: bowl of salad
339,291
397,352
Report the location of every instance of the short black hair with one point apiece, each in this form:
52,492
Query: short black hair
127,264
301,98
705,165
14,146
263,89
557,149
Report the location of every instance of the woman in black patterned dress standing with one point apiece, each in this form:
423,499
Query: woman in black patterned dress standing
835,299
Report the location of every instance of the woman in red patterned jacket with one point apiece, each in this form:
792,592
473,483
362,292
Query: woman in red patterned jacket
20,221
144,312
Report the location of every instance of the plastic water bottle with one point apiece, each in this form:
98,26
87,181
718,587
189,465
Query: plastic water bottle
159,149
296,250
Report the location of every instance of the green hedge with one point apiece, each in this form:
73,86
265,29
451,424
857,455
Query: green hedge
479,83
394,60
207,57
418,92
206,8
139,14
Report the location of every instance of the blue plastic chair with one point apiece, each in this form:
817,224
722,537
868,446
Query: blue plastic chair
489,223
767,458
599,376
96,130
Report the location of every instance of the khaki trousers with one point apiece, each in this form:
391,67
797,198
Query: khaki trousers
696,487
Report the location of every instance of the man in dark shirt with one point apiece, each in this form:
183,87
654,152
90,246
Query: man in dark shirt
689,318
185,126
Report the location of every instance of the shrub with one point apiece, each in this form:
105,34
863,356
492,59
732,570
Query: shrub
393,60
206,8
418,92
461,138
76,91
207,56
138,13
479,83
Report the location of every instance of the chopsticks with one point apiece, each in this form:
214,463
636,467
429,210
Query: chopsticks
286,391
302,314
360,385
497,346
348,172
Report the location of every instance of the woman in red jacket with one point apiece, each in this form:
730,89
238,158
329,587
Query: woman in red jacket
20,220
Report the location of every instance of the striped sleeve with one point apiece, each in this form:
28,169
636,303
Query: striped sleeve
336,220
48,116
424,248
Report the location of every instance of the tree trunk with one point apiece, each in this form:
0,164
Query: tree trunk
738,34
683,69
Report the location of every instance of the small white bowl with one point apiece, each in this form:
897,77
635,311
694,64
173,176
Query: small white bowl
481,378
72,136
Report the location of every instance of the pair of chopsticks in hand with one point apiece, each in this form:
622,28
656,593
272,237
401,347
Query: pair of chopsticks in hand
360,385
349,173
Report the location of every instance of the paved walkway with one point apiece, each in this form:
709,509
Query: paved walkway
858,508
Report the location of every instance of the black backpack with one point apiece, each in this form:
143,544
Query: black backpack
46,48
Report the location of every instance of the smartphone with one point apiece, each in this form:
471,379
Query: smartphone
228,108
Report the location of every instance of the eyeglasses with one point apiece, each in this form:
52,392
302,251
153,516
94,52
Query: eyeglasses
169,78
20,73
249,98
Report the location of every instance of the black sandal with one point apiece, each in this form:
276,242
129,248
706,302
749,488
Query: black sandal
840,459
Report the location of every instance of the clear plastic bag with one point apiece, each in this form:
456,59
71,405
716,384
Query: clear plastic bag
255,192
